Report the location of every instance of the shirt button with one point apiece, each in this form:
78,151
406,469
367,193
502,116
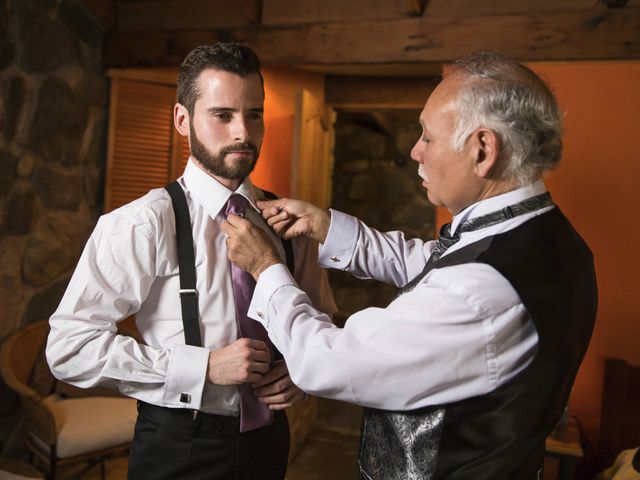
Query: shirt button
335,259
260,314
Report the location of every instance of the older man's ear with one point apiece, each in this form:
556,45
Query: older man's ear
486,147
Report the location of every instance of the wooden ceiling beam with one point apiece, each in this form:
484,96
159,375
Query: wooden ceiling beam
417,7
141,15
602,34
300,12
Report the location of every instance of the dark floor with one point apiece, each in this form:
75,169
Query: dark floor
331,449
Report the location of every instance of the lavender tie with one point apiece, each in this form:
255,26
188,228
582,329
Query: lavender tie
253,413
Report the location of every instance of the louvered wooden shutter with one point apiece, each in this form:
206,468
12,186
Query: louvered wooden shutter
144,150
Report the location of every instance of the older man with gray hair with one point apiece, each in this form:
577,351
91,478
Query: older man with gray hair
466,372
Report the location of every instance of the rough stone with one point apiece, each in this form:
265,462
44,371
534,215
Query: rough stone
7,43
406,139
12,98
362,142
57,188
96,86
59,122
34,5
7,171
20,209
45,44
355,166
363,188
81,22
396,182
93,187
97,149
44,303
26,164
11,291
51,250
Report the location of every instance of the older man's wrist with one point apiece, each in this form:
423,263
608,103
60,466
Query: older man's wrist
256,272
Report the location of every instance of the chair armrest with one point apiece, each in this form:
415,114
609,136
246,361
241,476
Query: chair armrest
40,419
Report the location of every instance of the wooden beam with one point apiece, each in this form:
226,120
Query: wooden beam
417,7
287,12
377,92
605,34
140,15
252,9
466,8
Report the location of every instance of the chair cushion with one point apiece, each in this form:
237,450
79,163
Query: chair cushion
89,424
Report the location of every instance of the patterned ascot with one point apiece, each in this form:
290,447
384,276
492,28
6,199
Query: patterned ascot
253,413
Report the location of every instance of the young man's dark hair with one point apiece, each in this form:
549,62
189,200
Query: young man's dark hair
229,57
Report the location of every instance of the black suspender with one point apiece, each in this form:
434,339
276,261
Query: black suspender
187,263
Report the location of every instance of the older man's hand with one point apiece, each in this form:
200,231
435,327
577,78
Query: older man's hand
293,218
248,247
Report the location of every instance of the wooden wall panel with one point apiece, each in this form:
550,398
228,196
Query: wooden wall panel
140,132
313,150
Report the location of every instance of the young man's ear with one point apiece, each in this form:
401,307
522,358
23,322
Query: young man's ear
181,119
486,148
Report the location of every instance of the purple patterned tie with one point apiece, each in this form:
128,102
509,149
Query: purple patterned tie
253,413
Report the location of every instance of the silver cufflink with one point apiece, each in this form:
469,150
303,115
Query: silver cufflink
185,398
335,259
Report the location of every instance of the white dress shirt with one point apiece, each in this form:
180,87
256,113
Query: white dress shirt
129,266
462,331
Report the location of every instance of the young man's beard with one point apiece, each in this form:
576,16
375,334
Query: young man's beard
214,162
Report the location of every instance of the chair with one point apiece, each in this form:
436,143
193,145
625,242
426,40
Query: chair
61,429
620,420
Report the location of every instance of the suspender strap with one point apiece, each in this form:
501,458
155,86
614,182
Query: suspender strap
186,265
288,247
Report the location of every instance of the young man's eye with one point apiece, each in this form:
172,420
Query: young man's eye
426,139
225,116
254,115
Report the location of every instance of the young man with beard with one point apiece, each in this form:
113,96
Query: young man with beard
211,408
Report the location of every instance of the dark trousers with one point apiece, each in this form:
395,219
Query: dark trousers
171,444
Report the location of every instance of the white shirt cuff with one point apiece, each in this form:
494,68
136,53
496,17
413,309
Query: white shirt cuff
186,376
271,280
338,247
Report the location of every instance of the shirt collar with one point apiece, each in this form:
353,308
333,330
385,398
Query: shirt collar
211,193
493,204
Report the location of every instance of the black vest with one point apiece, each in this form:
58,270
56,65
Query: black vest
501,435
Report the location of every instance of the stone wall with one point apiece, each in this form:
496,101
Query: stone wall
53,123
375,179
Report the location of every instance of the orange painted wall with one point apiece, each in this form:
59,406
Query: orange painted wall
273,171
595,186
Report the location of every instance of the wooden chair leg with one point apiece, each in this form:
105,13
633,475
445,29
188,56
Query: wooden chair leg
53,466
